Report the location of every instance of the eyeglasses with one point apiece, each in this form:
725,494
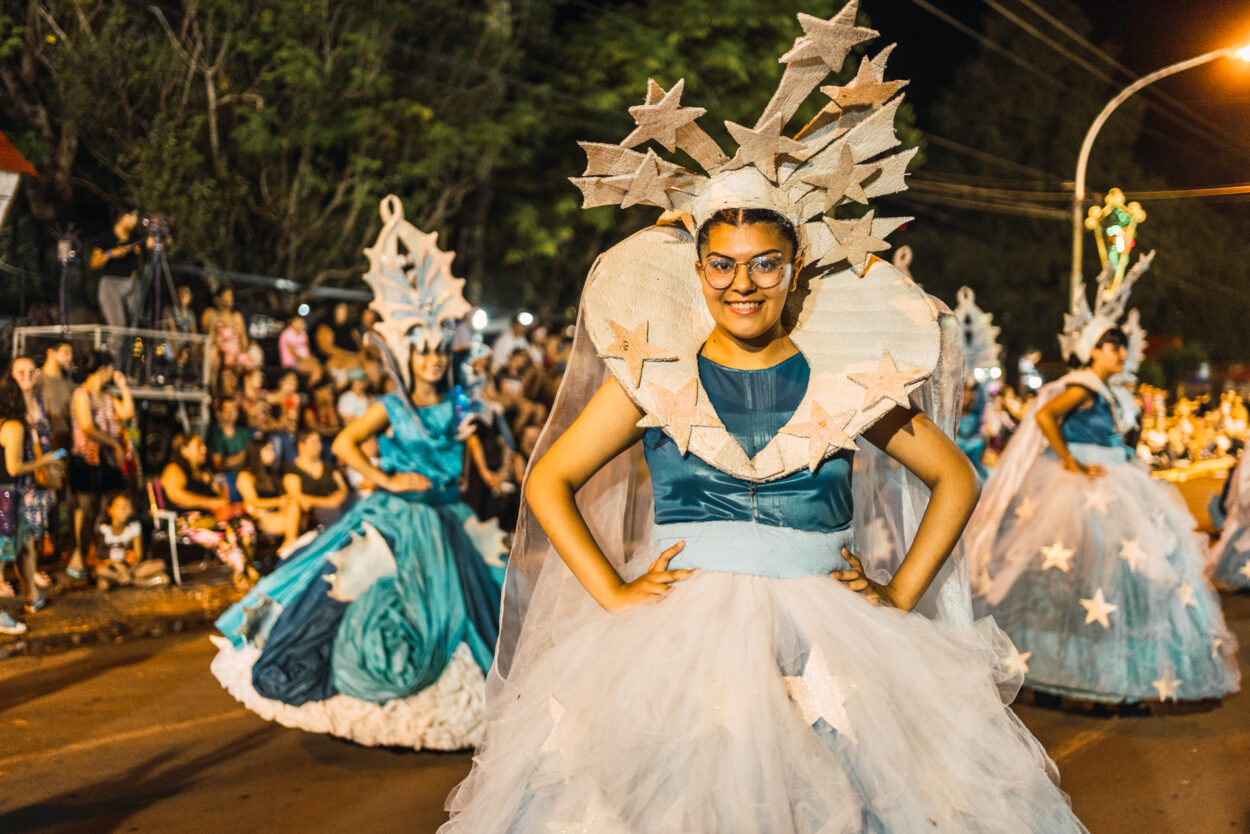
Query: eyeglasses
765,271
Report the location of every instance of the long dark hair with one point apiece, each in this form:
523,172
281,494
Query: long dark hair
179,443
267,480
12,401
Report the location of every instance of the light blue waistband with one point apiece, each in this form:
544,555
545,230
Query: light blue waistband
1092,453
757,549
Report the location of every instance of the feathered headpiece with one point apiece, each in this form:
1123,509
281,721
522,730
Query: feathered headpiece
1083,327
414,293
981,349
838,158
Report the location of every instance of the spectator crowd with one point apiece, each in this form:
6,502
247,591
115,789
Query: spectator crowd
77,509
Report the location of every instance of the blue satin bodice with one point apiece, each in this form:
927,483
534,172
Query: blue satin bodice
1093,425
426,445
753,405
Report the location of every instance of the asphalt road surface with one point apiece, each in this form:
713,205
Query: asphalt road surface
138,737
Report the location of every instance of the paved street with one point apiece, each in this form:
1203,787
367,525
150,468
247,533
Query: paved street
138,737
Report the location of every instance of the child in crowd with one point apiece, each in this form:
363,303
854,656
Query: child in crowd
119,547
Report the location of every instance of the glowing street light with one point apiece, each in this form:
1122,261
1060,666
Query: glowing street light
1078,197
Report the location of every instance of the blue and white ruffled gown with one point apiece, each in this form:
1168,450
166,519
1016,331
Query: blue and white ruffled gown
1230,556
381,629
1099,582
760,695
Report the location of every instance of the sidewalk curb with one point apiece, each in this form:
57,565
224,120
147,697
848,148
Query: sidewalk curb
86,618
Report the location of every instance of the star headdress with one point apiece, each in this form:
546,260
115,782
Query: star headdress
414,293
1082,327
982,353
842,156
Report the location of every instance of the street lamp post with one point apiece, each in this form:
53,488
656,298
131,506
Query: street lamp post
1078,195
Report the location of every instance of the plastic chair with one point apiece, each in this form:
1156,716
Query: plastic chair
165,519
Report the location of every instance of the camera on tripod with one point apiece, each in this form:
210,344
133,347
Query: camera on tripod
157,226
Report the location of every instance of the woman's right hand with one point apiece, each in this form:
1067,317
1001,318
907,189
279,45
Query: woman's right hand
653,585
408,482
1091,471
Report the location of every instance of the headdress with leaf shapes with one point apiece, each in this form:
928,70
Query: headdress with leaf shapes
1083,327
414,292
981,349
840,157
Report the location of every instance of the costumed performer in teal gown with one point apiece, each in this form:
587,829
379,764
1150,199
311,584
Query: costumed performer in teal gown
380,630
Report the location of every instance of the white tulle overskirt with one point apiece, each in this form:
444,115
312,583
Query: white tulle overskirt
448,715
745,703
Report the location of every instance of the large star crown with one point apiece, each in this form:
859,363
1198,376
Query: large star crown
1083,326
842,156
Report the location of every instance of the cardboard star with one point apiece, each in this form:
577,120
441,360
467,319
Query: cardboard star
887,382
597,191
1131,551
1098,498
761,147
818,696
1026,508
1057,556
662,120
1018,662
679,412
633,347
828,41
867,89
1245,569
1098,609
1167,687
649,184
855,241
822,431
558,737
1186,593
845,181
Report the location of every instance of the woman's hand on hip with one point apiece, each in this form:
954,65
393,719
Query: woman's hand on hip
854,579
653,585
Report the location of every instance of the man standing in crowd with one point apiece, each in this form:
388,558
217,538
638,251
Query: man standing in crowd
56,389
119,266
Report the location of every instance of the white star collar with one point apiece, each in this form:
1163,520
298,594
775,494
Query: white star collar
869,340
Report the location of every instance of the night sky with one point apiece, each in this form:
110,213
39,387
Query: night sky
1144,36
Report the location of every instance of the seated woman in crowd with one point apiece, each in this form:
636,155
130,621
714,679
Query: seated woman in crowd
284,408
316,486
254,402
338,346
260,486
521,385
355,401
205,514
321,416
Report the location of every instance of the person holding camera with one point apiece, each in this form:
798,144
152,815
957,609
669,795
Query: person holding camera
119,266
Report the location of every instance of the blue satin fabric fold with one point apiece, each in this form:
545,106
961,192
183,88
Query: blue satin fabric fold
398,636
1093,425
753,405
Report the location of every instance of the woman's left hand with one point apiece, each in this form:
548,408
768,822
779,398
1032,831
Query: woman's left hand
855,579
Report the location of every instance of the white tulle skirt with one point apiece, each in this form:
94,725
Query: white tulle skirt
1100,583
448,715
746,703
